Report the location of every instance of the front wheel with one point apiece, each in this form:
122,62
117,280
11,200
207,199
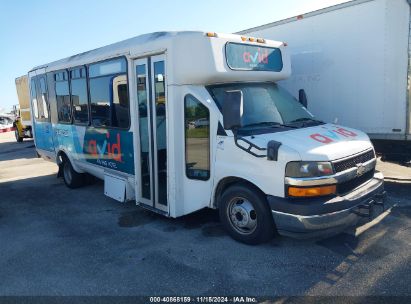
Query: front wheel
245,215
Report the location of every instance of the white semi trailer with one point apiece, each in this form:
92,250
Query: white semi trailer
353,61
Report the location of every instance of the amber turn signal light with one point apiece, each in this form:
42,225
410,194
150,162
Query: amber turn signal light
311,191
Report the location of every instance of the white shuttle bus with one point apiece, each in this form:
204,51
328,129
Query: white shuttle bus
180,121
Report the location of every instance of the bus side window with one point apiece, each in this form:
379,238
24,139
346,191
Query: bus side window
197,138
33,94
120,102
62,97
43,97
39,99
51,97
79,96
109,100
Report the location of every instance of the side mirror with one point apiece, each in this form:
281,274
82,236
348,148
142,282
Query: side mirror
232,109
302,98
272,150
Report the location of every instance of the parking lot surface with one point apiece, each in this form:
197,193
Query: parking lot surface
57,241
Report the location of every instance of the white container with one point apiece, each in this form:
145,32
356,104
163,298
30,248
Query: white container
352,60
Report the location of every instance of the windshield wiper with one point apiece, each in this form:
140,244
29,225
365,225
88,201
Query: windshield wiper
271,124
306,119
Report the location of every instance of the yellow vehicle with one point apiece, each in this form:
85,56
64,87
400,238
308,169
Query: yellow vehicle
22,123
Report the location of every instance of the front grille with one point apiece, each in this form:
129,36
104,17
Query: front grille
354,183
351,162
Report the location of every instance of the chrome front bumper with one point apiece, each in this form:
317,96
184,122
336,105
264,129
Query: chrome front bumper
341,211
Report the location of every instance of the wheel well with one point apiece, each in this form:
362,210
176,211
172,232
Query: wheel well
227,182
59,158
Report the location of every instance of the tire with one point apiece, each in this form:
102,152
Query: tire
71,178
17,135
245,214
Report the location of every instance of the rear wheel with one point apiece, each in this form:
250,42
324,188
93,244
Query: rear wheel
245,214
71,178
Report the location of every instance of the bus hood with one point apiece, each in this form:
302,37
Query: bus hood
319,143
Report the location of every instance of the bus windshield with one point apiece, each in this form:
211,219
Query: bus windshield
266,104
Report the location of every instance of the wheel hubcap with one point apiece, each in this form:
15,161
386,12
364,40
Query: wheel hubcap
242,215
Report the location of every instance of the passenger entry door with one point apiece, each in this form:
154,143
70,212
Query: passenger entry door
42,127
200,131
151,102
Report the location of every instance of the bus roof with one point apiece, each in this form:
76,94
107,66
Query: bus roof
199,58
120,47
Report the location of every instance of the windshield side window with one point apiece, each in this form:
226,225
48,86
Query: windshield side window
197,139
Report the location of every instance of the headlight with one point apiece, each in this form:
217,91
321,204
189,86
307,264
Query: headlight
308,169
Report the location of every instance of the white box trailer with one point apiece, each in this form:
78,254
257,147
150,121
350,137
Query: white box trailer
22,121
353,61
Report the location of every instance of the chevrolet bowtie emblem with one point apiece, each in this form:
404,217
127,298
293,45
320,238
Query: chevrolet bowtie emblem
360,169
